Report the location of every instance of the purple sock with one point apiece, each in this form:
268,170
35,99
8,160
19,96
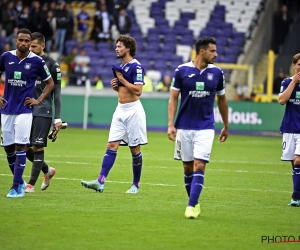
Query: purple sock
137,163
188,178
296,181
107,163
19,168
11,158
196,188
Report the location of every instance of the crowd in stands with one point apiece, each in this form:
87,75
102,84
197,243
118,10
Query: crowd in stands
82,37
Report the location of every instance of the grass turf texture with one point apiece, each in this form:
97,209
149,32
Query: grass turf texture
247,189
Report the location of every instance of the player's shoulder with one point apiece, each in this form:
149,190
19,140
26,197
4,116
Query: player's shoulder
287,80
134,63
35,57
214,68
50,60
9,53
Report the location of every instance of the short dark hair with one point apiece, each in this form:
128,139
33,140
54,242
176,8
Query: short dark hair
296,58
38,36
203,43
129,42
24,31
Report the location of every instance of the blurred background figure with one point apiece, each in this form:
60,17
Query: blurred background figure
165,84
81,67
282,20
103,22
11,39
277,81
83,19
123,21
97,82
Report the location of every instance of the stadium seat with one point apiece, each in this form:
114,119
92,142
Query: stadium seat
184,51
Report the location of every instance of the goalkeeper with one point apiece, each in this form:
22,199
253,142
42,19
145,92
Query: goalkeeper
42,117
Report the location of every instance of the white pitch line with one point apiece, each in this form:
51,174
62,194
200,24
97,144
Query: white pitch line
170,185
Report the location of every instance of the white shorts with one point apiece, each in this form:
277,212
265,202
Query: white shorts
129,125
193,144
16,129
290,146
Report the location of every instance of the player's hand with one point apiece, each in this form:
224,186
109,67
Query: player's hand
296,77
57,126
172,133
223,135
114,84
2,102
31,102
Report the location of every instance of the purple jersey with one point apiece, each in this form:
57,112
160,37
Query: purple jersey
198,91
291,118
20,79
132,71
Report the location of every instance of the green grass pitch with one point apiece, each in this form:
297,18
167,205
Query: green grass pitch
245,196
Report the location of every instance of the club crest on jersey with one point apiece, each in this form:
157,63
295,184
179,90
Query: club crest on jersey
27,65
126,69
210,76
199,85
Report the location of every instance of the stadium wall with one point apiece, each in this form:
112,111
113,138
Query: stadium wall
244,117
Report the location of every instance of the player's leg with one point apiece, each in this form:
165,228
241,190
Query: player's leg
289,150
296,172
203,141
22,125
116,134
184,146
8,139
137,135
39,133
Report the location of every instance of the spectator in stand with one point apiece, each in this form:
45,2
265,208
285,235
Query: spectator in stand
165,84
37,17
9,18
11,39
282,20
6,47
123,21
62,19
81,67
49,29
70,28
19,8
83,19
102,25
277,81
97,82
24,20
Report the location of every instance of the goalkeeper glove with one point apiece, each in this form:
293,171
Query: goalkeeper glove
53,136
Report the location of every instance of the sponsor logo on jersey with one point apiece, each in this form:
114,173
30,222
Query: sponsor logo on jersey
139,71
58,76
281,89
173,80
199,85
139,77
210,76
27,66
58,69
17,75
46,70
297,95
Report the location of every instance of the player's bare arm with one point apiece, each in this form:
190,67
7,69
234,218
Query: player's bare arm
223,108
47,90
135,89
285,95
172,107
